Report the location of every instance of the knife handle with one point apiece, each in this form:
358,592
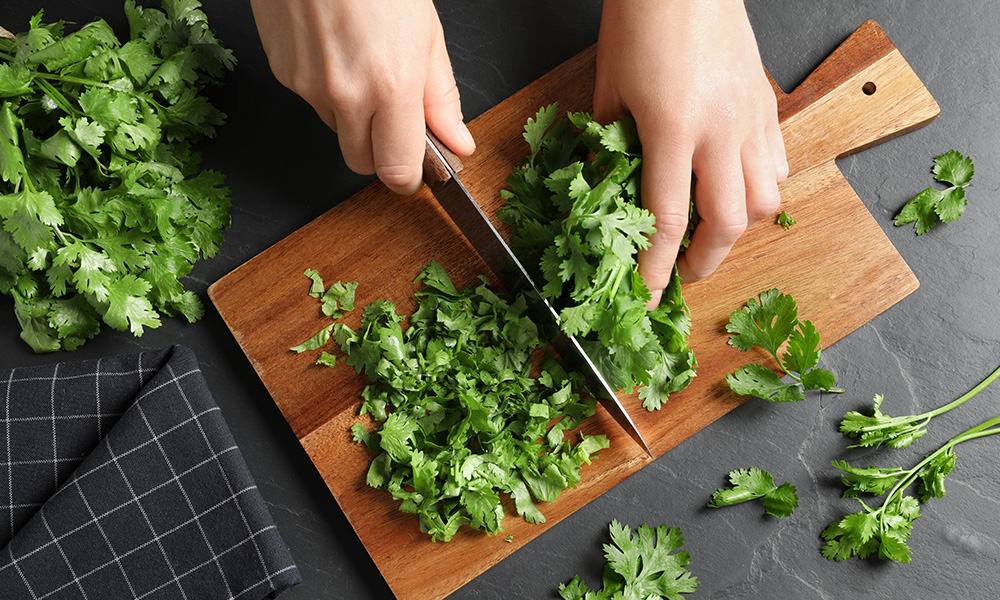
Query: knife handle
436,173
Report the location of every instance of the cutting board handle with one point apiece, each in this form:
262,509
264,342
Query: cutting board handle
862,94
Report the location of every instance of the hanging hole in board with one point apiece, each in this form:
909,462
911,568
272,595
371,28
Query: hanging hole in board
868,88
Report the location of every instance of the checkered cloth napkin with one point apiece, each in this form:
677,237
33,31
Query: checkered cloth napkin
120,479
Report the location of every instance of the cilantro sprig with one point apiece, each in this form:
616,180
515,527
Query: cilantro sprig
769,324
899,432
933,206
884,530
462,423
644,566
576,215
103,205
753,484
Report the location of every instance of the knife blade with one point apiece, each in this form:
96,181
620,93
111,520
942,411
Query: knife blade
441,168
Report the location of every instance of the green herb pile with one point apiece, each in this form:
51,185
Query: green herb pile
462,420
640,567
769,324
575,211
102,200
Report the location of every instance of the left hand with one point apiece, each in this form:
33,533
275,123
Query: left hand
689,73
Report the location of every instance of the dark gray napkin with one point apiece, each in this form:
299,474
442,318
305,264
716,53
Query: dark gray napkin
120,479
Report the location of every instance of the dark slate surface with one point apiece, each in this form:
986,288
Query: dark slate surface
284,169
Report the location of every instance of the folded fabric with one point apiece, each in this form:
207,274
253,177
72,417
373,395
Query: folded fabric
120,479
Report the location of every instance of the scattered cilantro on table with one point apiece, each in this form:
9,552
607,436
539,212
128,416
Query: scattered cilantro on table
643,567
753,483
884,531
785,220
577,220
768,324
932,206
103,204
899,432
462,421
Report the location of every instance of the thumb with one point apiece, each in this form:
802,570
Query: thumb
442,103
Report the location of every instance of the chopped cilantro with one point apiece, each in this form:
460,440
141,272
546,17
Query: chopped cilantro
103,206
785,220
753,483
462,422
768,324
575,212
644,566
932,206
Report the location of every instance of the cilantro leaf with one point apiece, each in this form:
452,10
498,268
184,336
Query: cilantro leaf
757,380
753,483
766,324
645,566
770,323
951,167
933,206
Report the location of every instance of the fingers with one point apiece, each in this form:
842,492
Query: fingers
397,140
721,195
776,145
761,181
666,192
442,103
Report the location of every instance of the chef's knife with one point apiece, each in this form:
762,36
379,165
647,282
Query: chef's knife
441,169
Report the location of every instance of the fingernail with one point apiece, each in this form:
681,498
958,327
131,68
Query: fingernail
466,135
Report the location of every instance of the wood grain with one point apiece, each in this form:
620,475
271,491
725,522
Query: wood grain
836,262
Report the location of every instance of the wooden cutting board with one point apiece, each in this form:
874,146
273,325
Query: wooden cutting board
836,262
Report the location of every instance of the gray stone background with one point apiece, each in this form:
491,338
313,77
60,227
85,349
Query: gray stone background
284,169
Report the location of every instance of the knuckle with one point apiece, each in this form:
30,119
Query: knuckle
670,226
698,272
762,203
730,230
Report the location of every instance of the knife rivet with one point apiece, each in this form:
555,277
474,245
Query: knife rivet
868,88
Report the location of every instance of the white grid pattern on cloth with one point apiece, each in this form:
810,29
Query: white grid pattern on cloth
225,477
60,466
190,459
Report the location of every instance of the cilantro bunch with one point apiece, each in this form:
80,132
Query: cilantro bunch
462,422
770,324
640,567
575,212
103,205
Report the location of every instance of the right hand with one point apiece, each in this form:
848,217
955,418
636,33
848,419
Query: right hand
376,71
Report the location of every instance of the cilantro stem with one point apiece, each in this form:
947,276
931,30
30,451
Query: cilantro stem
781,365
57,97
927,416
982,385
981,430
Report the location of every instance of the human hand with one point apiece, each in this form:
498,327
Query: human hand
376,71
689,73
